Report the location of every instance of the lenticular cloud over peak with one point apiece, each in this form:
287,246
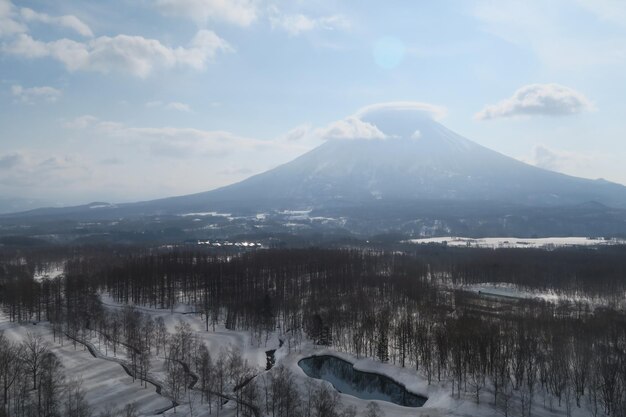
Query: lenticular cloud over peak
401,119
432,111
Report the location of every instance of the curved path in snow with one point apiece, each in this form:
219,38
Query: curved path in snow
159,388
191,375
194,379
97,354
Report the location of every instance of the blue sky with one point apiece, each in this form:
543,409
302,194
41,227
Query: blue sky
128,100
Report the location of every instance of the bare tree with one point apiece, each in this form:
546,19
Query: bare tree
175,380
373,410
221,374
148,333
250,397
349,411
10,364
50,384
34,350
144,366
183,340
284,397
76,405
160,335
108,412
130,410
204,368
325,402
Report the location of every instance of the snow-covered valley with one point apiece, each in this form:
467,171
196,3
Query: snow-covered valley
193,331
106,376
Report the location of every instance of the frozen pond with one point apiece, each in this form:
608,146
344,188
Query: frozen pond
365,385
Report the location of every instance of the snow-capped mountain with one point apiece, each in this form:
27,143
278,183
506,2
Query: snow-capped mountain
394,169
417,158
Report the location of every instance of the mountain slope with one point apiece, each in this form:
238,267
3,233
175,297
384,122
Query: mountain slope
419,160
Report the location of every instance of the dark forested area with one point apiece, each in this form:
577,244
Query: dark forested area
408,308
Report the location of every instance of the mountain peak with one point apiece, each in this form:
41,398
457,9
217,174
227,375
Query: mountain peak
414,122
413,158
401,119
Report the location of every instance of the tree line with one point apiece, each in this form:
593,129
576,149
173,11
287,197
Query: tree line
396,307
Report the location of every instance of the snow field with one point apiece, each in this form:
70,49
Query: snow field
107,385
514,242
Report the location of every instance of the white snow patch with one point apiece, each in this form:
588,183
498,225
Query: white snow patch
49,271
105,383
206,213
514,242
97,206
511,291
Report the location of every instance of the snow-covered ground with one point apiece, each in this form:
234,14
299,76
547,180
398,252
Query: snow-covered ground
514,242
107,384
50,271
502,289
206,213
510,290
253,350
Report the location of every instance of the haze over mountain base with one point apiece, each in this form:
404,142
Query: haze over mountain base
388,169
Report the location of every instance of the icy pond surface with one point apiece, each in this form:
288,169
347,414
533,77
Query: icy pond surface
364,385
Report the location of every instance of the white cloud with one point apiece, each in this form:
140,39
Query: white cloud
301,138
8,23
298,133
545,28
81,122
572,163
197,160
538,99
238,12
609,10
93,124
33,94
586,163
358,125
178,106
546,158
11,160
245,12
350,128
135,55
174,105
31,169
25,46
66,21
174,142
295,24
433,110
177,142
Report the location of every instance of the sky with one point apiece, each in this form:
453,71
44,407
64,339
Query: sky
128,100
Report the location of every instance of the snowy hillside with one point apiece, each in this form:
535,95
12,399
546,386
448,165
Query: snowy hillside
417,158
386,169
